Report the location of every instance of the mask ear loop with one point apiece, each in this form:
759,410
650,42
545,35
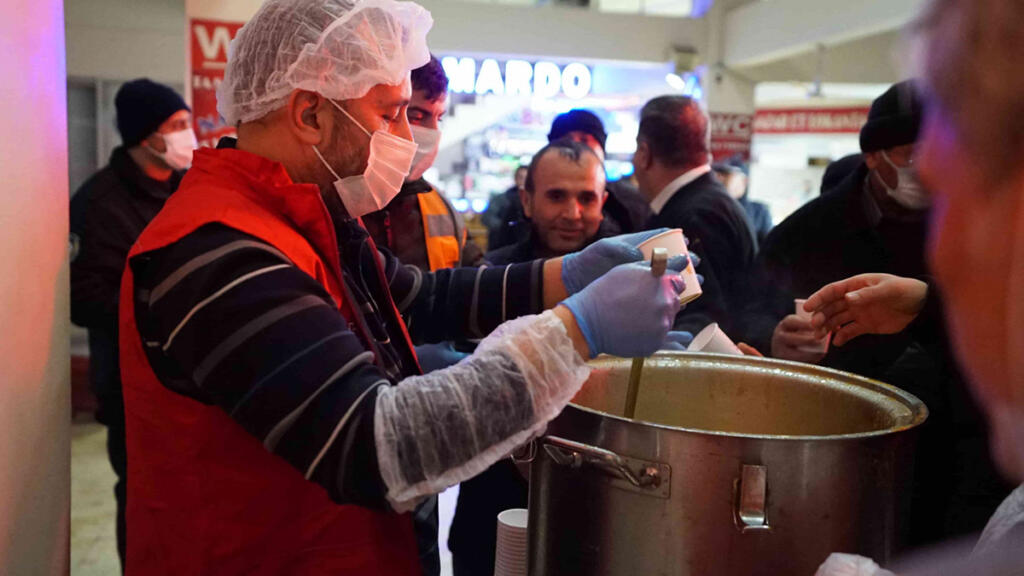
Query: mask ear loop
354,121
321,157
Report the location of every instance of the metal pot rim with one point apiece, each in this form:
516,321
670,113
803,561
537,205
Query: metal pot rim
917,408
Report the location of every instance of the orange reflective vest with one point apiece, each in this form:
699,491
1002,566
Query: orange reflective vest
443,232
205,497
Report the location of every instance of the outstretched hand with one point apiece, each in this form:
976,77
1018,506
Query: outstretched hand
866,304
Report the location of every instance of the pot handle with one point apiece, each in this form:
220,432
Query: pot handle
639,474
751,499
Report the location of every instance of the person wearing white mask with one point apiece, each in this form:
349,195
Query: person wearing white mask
875,221
107,214
420,226
277,418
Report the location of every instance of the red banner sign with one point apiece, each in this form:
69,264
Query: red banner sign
208,44
730,136
811,121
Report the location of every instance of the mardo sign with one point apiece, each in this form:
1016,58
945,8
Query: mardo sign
517,78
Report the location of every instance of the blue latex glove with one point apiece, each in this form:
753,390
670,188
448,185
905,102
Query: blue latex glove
677,341
579,269
628,311
437,356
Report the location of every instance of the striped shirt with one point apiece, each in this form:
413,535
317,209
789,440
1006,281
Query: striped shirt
227,320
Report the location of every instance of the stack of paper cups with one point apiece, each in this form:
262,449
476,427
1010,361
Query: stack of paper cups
510,554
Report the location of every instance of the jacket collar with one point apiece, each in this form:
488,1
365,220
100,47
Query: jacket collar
673,187
267,183
128,171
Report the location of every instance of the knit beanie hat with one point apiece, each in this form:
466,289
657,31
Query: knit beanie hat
578,121
894,119
142,106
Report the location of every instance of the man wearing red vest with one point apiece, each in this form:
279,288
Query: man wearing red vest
277,421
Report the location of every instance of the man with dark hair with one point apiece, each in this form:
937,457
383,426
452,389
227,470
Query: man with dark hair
562,199
108,213
875,221
625,209
672,167
420,226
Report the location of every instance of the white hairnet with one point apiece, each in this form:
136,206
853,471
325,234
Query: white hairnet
436,430
337,48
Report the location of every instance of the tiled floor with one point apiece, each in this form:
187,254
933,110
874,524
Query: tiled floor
93,542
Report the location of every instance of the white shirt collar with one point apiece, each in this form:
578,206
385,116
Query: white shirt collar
669,191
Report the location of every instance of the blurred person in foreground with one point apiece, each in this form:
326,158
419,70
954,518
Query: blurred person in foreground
278,421
108,213
733,176
875,221
673,170
970,154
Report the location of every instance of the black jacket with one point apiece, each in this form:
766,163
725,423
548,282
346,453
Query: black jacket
831,238
720,234
625,210
842,234
108,213
528,249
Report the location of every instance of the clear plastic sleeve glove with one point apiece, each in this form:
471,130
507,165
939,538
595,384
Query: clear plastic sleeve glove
628,311
678,341
436,430
581,268
850,565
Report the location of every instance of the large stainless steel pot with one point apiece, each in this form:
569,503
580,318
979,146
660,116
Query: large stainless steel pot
732,466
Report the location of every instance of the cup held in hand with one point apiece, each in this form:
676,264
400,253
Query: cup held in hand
674,242
822,345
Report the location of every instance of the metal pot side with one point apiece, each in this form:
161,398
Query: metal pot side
733,466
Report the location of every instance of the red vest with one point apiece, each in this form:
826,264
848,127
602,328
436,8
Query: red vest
205,497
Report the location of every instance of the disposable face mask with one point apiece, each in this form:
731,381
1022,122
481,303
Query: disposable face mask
179,148
386,169
908,192
427,141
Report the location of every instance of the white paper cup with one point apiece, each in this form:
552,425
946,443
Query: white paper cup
674,242
822,345
712,339
510,557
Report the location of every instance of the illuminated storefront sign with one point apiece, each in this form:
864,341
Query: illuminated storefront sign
517,78
811,121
